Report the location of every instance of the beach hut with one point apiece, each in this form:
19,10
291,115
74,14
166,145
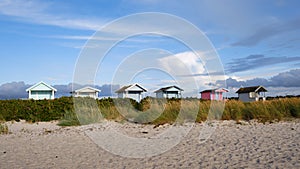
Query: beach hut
86,92
41,91
213,94
169,92
133,91
253,93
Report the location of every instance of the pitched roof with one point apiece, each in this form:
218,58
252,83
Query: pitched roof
218,90
251,89
168,87
127,88
37,84
87,87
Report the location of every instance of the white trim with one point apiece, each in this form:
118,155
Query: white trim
41,82
138,85
87,87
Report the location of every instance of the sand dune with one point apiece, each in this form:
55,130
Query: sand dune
252,145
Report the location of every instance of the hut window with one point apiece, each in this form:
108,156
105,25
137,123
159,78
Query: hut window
252,95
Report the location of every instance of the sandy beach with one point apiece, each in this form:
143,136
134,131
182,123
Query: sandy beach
231,145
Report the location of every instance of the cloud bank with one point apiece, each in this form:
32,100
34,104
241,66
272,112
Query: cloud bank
252,62
268,31
17,90
283,83
285,79
13,90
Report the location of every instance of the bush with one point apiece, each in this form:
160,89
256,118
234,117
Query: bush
35,110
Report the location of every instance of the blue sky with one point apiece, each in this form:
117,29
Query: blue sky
257,41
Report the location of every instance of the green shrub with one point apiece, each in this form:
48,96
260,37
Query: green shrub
35,110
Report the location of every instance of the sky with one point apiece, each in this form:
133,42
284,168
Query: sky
256,43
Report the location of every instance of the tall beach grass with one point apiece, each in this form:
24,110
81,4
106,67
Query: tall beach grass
77,111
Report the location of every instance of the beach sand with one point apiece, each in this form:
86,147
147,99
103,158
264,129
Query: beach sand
231,145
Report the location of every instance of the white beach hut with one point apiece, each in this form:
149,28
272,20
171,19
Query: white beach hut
169,92
41,91
253,93
86,92
133,91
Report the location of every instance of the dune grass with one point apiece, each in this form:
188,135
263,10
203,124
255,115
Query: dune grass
155,111
77,111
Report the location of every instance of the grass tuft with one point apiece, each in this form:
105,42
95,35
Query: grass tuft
3,128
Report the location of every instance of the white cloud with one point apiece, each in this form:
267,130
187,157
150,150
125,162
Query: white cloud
79,37
21,8
186,63
37,12
183,62
143,39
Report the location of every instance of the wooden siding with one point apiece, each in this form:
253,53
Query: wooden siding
209,95
40,95
205,95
